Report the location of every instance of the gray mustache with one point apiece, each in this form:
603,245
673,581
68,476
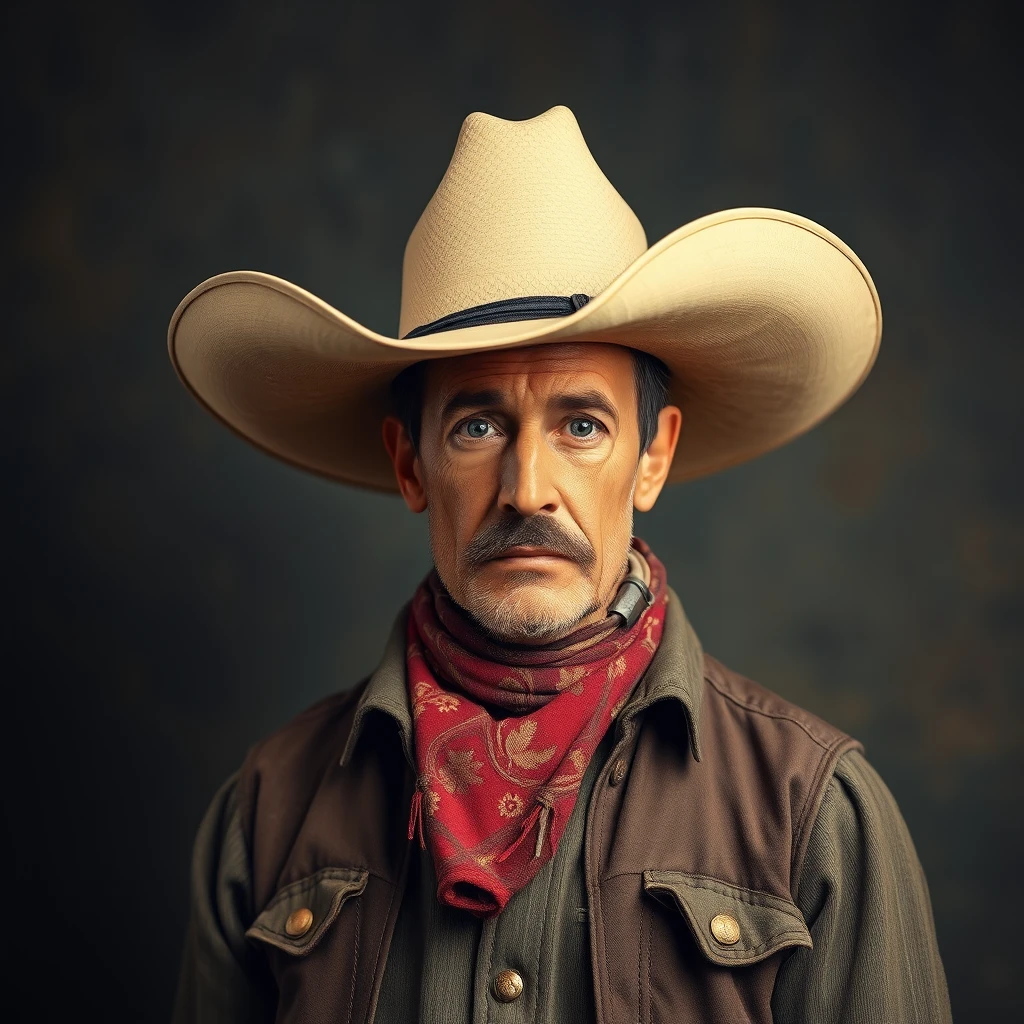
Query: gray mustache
533,531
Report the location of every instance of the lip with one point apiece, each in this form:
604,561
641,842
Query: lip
522,554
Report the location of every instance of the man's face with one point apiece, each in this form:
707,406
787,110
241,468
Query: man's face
527,465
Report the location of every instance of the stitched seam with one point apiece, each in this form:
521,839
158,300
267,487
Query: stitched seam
355,962
648,1000
603,782
488,973
738,952
767,714
801,931
809,801
536,989
743,896
275,939
311,882
600,837
398,887
269,931
556,885
815,795
760,946
726,890
640,970
730,886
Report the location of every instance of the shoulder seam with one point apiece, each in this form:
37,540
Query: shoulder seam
767,714
815,795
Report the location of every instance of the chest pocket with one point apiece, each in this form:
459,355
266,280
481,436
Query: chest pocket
298,916
732,925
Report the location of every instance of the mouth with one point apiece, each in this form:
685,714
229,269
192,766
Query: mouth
524,553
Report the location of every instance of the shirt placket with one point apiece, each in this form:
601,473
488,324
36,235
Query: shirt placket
515,972
507,971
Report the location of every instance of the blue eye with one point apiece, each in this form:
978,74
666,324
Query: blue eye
582,428
477,428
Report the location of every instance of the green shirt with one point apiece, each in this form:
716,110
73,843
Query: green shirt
862,893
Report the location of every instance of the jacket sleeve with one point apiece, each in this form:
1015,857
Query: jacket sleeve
223,979
864,896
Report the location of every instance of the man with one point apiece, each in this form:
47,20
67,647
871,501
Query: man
547,803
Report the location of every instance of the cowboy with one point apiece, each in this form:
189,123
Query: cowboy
548,803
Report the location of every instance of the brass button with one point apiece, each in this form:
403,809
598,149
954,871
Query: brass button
299,922
618,772
725,929
508,986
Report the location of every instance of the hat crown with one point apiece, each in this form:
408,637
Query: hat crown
523,209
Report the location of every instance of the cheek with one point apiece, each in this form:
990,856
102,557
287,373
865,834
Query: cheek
604,511
457,500
604,494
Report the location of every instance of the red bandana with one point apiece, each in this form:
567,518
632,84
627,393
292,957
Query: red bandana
486,783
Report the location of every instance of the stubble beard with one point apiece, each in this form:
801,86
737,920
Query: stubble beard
514,617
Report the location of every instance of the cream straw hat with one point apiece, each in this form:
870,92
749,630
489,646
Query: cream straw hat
767,321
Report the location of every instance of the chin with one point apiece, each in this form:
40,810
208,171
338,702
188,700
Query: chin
529,614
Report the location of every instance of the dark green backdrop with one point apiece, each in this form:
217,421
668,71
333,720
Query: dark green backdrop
177,595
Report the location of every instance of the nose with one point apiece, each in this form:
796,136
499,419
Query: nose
528,475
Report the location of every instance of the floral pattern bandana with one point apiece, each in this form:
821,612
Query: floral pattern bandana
503,735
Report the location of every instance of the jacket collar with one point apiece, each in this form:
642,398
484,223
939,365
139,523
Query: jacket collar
676,673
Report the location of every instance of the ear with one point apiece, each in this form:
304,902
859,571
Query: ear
408,471
657,460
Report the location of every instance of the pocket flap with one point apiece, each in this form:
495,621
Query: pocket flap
731,924
297,917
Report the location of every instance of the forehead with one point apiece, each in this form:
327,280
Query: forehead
536,367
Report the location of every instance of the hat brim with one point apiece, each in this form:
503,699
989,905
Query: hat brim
767,321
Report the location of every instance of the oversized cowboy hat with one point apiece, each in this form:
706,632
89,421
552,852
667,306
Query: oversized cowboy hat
767,321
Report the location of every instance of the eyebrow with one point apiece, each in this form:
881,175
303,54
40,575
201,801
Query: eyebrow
461,400
589,399
494,399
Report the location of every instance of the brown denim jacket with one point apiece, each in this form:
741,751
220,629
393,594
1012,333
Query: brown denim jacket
702,812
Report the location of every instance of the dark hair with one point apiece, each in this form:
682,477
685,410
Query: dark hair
652,379
650,375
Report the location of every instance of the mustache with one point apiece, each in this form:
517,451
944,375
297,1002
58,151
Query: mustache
539,531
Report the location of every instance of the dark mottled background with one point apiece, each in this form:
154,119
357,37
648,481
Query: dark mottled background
176,595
